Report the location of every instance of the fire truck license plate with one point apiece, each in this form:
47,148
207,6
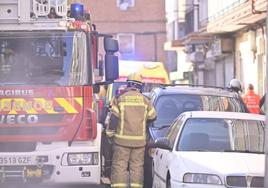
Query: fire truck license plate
16,160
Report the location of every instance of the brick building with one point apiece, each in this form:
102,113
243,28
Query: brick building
139,25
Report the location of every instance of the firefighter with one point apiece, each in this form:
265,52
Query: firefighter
110,131
252,100
129,114
108,134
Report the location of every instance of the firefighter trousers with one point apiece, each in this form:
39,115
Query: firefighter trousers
122,157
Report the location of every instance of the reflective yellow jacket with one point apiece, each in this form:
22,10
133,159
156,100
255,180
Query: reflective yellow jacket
131,110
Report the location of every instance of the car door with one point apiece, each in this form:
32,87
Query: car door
163,157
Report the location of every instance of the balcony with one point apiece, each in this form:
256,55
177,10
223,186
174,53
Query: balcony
236,17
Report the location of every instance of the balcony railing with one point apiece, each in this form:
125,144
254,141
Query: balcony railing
226,9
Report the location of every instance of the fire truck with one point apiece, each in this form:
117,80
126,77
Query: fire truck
52,62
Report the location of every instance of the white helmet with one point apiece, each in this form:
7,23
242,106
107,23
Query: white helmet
235,85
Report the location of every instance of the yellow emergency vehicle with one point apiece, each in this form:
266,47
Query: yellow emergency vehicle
153,74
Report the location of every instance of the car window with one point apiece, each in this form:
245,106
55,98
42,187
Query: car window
168,107
174,129
248,135
204,134
220,103
221,135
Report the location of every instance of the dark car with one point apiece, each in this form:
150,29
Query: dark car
171,101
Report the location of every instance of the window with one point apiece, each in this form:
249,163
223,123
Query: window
168,107
217,134
173,130
247,135
58,58
126,43
125,4
205,134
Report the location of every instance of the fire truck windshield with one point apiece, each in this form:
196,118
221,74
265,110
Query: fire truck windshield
45,58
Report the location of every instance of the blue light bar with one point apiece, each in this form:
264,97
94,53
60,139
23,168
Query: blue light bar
77,11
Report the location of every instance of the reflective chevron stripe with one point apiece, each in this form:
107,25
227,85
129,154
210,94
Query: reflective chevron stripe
41,105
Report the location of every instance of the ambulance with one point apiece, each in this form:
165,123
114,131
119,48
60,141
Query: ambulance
153,74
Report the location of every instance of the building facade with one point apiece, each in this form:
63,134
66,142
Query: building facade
244,22
224,40
139,25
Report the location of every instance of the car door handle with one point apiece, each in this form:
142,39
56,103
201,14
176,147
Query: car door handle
161,156
156,152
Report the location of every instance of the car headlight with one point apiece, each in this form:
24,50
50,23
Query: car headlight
201,178
83,158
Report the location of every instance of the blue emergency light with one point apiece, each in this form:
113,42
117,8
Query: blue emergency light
77,11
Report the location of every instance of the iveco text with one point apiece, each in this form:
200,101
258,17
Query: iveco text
18,119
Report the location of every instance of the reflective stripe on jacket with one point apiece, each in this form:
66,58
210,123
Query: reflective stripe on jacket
132,110
252,102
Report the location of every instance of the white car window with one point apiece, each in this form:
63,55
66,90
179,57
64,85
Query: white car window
215,134
204,134
173,130
248,135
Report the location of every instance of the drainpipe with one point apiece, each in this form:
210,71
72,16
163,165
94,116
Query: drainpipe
155,47
176,12
196,15
266,105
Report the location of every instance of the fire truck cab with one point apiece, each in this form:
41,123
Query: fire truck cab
50,68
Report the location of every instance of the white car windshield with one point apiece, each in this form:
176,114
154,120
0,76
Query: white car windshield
212,134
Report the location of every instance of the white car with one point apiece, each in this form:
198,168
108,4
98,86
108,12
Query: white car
211,149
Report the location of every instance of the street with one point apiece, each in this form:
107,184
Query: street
52,186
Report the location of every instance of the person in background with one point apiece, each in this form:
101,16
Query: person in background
235,85
129,114
252,100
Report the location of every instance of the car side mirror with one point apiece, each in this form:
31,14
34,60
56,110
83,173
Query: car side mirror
162,143
111,45
111,60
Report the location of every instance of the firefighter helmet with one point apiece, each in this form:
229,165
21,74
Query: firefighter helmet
135,77
235,85
134,80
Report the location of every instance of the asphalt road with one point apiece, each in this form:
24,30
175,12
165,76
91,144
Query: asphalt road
60,186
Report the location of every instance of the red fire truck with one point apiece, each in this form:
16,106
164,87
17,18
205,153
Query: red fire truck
50,67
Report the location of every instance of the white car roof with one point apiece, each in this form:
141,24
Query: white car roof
227,115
